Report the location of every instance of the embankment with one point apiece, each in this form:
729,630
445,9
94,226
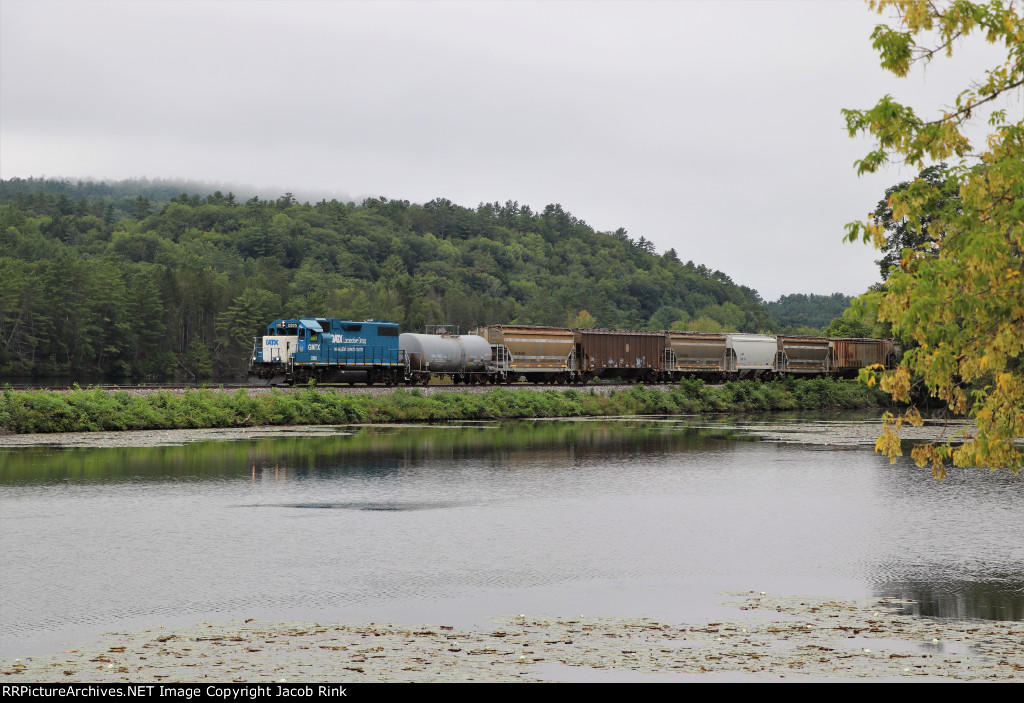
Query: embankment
79,410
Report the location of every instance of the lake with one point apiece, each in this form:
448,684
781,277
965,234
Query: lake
453,524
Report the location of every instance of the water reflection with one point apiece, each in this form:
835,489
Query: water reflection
366,450
450,524
1001,598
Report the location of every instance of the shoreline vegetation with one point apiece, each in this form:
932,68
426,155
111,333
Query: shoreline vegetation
94,410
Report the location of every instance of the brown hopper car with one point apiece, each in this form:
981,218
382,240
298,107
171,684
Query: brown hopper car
628,354
850,354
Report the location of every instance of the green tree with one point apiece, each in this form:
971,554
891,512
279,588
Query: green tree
860,320
681,324
901,233
847,326
239,324
24,319
706,324
962,301
142,207
803,310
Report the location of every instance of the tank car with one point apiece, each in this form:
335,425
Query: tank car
464,357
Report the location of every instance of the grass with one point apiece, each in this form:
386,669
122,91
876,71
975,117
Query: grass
79,410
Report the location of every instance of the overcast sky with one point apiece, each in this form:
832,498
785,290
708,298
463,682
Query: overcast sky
710,127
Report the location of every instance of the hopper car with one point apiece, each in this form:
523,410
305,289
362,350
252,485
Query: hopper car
535,353
328,350
631,355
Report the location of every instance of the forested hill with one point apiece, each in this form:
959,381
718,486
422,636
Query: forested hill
808,311
97,278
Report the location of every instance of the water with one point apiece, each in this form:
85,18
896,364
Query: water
452,525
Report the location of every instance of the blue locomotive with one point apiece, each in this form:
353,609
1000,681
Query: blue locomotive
328,350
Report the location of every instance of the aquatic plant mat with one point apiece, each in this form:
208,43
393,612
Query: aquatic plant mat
775,637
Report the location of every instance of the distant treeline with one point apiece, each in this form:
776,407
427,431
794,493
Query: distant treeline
133,279
802,310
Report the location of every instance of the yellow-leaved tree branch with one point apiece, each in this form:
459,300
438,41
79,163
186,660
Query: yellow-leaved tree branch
961,300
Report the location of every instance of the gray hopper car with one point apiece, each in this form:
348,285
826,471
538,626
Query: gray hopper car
804,355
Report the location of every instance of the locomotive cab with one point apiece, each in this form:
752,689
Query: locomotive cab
272,354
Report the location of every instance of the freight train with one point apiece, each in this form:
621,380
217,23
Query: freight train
327,350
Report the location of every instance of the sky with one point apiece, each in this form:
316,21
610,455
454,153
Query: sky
713,128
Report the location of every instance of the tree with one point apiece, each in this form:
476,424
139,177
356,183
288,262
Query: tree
706,324
239,324
806,310
962,300
901,233
143,208
847,326
860,319
581,320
